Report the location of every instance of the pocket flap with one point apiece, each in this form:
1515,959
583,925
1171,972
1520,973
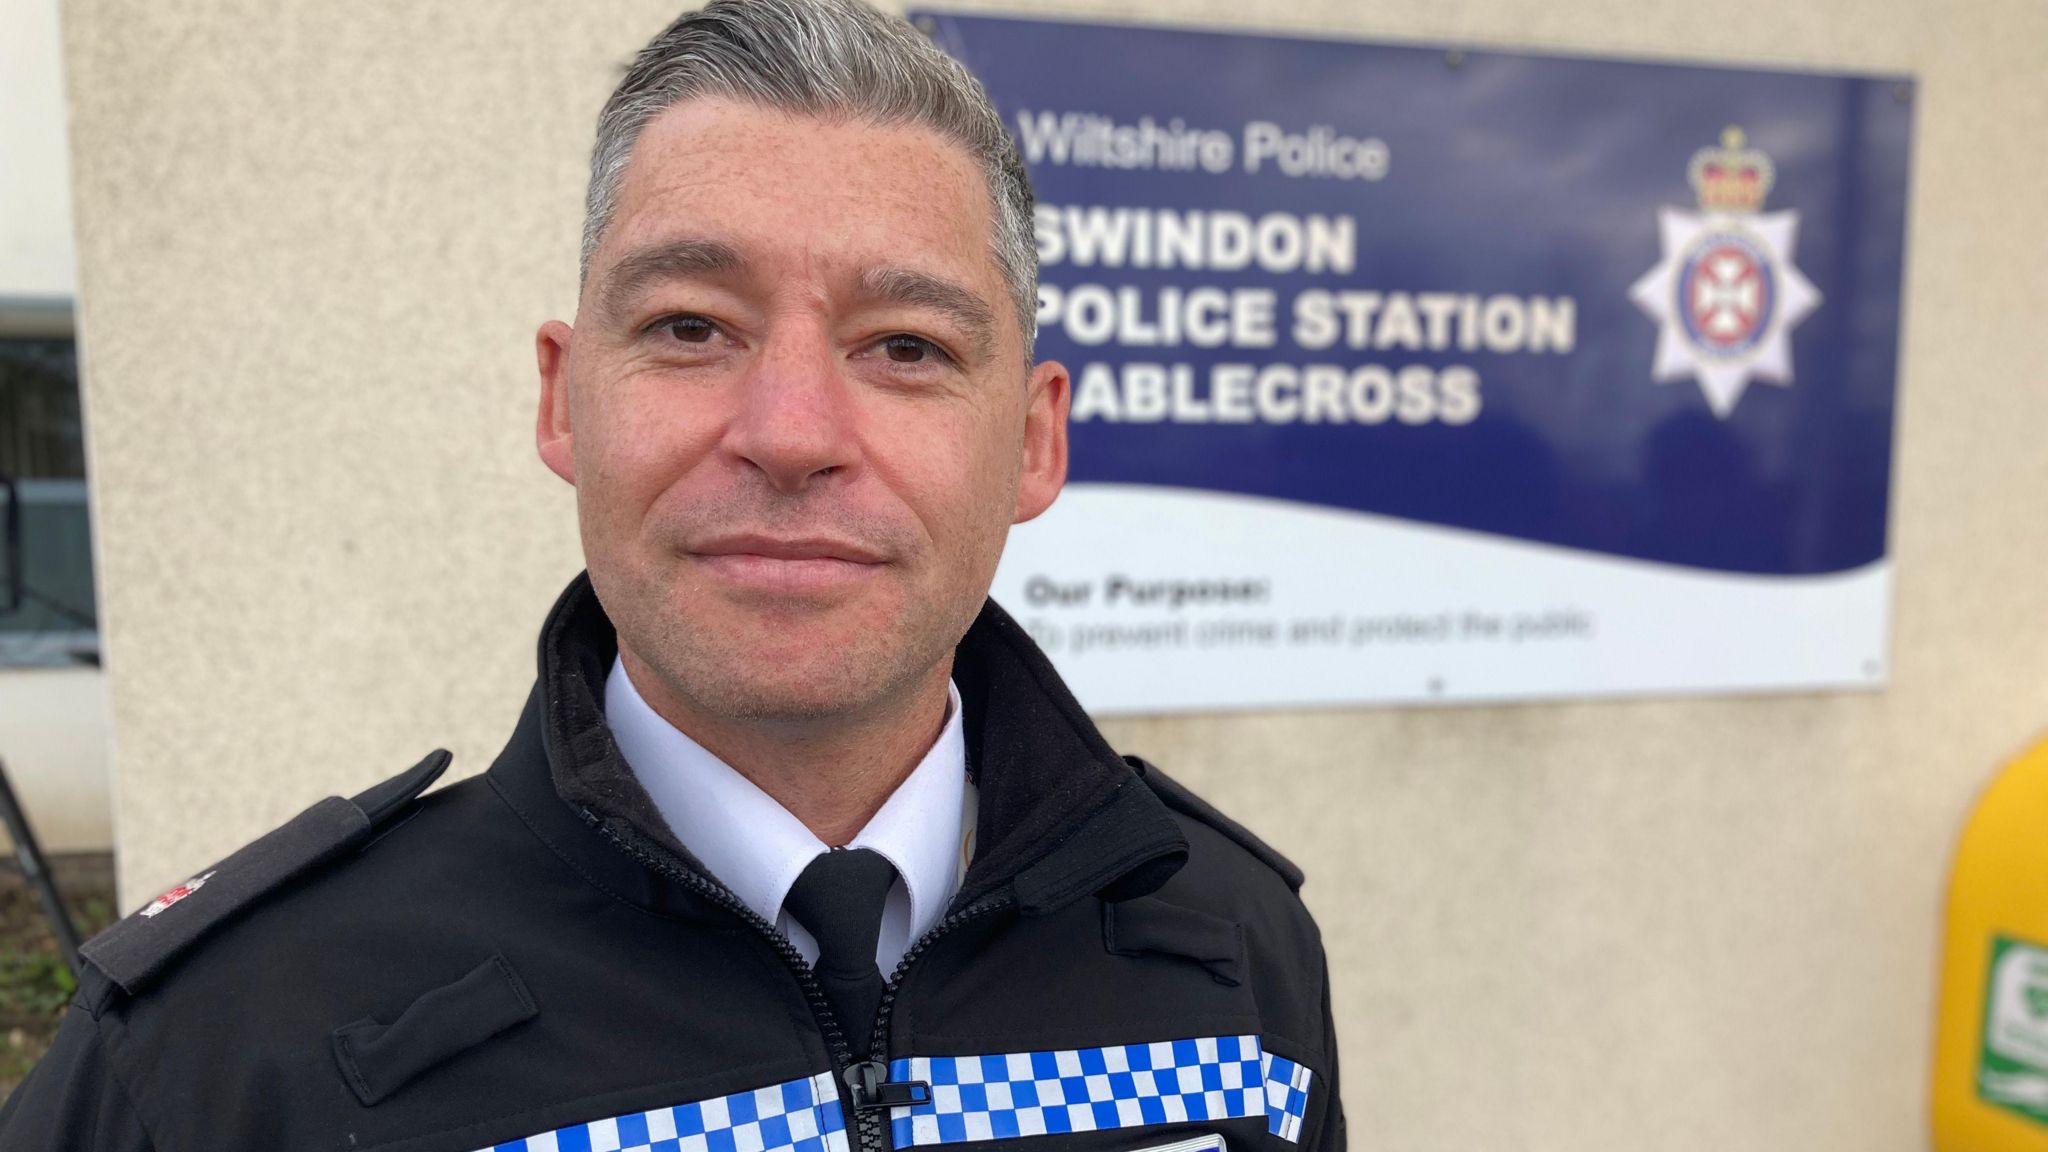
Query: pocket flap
378,1059
1149,926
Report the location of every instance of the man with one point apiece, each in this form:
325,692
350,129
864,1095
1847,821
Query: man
799,845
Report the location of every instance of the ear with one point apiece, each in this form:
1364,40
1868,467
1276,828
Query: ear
551,423
1045,440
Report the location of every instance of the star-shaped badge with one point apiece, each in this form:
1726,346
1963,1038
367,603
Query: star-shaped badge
1726,294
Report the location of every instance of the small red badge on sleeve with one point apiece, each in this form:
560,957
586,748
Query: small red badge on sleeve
176,894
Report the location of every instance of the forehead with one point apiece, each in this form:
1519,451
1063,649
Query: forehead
789,188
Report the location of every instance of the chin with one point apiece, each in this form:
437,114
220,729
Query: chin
767,670
787,693
771,659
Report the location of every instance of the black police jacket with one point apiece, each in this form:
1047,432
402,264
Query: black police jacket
528,960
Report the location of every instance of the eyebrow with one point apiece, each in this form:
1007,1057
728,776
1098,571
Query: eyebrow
684,259
915,289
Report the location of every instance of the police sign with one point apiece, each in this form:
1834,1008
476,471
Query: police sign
1404,374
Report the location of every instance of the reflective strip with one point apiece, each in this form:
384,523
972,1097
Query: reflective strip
1286,1097
799,1116
1093,1089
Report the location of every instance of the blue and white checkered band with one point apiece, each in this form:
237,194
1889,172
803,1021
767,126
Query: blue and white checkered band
1093,1089
1286,1097
800,1116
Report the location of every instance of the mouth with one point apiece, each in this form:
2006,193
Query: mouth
787,564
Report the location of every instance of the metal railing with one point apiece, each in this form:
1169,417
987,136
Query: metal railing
35,869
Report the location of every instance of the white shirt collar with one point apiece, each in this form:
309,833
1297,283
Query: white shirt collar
756,848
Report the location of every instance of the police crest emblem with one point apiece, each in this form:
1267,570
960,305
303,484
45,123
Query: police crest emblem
176,894
1726,294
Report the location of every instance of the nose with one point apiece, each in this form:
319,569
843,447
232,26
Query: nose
795,417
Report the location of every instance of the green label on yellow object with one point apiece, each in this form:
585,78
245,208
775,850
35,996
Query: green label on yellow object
2012,1065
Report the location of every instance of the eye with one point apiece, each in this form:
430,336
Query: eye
904,348
688,329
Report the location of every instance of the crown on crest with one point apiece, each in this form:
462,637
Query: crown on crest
1731,178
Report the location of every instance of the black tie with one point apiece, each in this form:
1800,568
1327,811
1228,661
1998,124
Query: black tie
839,900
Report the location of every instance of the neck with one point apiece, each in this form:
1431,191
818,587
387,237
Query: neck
831,772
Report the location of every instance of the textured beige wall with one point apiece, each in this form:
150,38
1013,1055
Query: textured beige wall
316,238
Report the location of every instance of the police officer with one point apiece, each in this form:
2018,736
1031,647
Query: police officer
799,844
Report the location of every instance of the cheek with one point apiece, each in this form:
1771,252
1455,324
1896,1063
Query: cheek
959,473
641,440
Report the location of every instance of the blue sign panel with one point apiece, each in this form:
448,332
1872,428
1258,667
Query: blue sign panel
1576,312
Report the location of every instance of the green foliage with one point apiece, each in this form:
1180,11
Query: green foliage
35,983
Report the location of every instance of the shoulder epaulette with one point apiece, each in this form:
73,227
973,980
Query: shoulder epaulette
133,951
1188,804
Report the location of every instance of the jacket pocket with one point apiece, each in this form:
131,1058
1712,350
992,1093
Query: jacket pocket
378,1059
1148,926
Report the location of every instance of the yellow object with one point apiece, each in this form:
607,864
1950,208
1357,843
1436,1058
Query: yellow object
1991,1039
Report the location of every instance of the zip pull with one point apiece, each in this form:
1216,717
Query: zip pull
868,1082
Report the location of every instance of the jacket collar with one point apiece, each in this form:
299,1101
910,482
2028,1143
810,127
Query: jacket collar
1061,816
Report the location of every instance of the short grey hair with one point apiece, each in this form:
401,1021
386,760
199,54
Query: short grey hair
825,58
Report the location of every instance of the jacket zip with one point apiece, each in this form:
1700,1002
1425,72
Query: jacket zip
869,1118
835,1039
862,1086
866,1116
